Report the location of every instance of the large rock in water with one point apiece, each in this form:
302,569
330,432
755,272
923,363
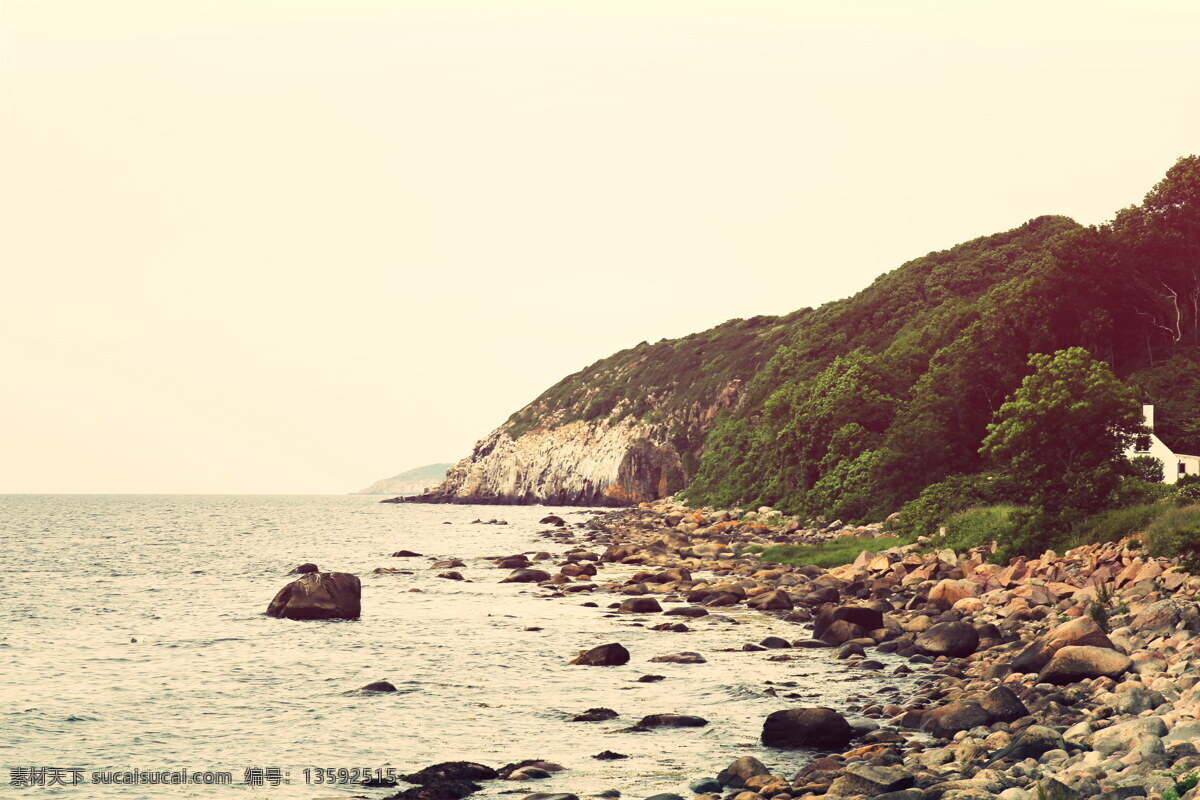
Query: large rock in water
606,655
1071,664
818,728
319,595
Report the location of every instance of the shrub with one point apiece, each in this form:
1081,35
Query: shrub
1176,533
979,526
1136,492
1186,494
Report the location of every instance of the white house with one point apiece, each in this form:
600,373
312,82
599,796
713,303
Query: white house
1174,464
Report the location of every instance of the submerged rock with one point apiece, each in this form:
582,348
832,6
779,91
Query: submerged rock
319,595
671,721
680,658
595,715
378,686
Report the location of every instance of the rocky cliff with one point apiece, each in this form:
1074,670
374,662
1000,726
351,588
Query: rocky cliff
603,462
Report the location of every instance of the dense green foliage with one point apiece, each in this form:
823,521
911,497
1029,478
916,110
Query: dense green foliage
1060,440
833,553
892,391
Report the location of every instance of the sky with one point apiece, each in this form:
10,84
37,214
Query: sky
294,246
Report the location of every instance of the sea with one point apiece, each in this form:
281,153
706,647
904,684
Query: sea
135,654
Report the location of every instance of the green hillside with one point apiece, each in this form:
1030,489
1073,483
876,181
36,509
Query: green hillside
890,391
854,408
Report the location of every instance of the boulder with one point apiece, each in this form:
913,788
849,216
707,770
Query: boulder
864,779
1164,616
1035,741
1003,705
686,611
818,728
304,569
1079,632
1124,736
552,519
952,639
868,619
946,593
735,775
1071,664
776,600
960,715
606,655
840,631
527,576
640,605
405,554
319,595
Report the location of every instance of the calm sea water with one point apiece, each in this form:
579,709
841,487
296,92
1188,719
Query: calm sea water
132,636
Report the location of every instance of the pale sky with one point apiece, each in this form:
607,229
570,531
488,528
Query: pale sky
298,246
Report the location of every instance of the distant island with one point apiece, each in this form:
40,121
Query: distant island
414,481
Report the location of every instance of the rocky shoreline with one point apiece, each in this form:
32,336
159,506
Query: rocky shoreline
1066,676
1062,677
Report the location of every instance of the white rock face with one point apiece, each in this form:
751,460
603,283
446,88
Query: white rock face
577,463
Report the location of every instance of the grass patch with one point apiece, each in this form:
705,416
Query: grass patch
1176,532
833,553
1116,524
979,526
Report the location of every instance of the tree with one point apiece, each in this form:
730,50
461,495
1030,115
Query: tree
1147,468
1061,439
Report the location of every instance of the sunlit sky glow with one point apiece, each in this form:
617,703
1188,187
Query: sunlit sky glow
297,246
